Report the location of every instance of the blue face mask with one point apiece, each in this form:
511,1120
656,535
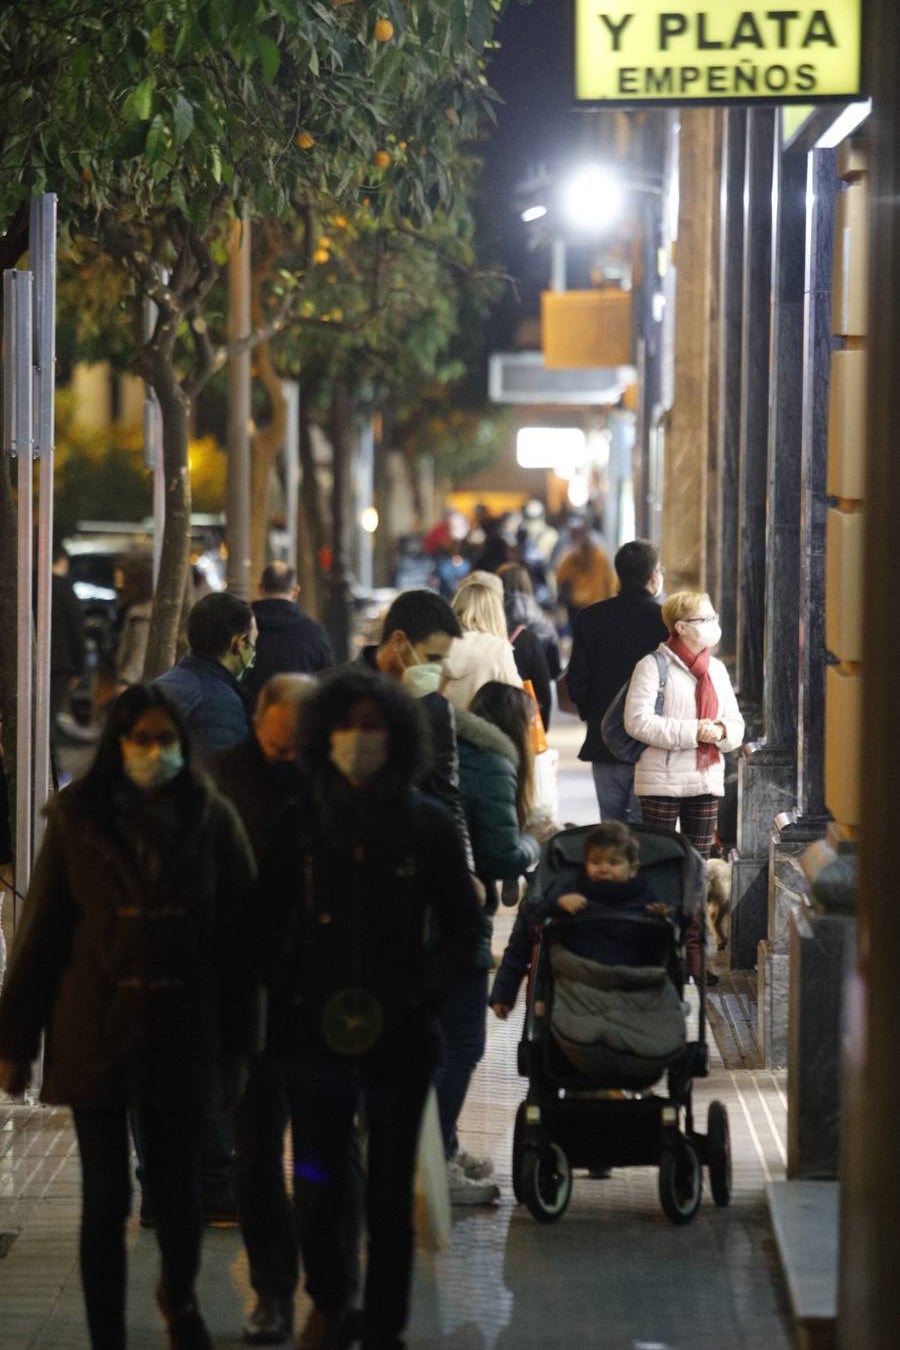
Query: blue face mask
150,766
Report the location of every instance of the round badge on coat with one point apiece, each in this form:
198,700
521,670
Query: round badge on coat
352,1021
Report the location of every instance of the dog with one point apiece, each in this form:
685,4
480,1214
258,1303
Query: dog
718,900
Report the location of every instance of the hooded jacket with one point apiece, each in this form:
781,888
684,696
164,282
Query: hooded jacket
472,661
488,776
142,986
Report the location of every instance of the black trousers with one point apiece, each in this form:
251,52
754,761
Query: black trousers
323,1104
171,1141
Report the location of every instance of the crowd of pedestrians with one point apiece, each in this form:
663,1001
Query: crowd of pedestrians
268,907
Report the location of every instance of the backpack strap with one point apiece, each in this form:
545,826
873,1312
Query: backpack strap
515,634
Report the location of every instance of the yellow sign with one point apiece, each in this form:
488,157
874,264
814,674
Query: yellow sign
716,51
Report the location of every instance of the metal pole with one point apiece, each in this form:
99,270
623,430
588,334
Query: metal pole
18,299
237,516
42,250
365,481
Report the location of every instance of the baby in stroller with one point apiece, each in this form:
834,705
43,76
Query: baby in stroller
611,880
604,943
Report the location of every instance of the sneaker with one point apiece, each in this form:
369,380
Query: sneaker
466,1191
271,1321
476,1169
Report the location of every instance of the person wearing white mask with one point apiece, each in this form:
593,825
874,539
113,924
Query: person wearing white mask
680,776
368,919
131,960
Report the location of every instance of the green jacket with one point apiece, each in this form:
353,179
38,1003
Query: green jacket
488,776
143,988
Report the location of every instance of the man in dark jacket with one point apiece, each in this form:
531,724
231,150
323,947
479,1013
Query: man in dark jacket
609,639
289,640
207,684
417,631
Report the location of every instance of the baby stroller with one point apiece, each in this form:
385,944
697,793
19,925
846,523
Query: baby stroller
597,1038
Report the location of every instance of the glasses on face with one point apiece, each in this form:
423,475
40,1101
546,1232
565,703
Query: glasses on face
702,618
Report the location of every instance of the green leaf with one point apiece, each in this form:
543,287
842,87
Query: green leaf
139,103
215,162
183,114
158,40
131,142
269,57
157,139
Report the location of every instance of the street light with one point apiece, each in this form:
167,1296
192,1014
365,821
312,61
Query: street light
592,198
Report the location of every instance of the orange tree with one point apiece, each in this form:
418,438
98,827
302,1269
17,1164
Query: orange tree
158,122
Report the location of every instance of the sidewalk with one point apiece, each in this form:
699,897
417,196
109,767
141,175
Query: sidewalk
612,1274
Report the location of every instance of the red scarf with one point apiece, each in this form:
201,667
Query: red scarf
705,694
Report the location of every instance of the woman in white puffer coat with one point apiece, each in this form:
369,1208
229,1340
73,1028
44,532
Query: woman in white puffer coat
681,774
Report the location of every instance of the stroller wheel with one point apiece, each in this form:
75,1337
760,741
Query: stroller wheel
518,1153
680,1182
718,1153
546,1181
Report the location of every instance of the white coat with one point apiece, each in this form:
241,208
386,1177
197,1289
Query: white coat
668,767
472,661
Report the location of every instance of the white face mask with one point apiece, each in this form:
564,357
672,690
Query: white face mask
359,755
709,632
422,679
149,766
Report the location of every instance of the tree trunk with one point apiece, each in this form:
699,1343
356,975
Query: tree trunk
313,514
175,555
265,447
339,621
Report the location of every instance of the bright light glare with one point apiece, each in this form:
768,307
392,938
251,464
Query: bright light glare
533,213
592,198
578,492
368,519
559,448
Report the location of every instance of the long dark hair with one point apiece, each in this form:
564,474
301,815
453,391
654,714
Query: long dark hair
408,740
106,774
511,710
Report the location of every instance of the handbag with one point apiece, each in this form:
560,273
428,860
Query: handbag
612,728
539,742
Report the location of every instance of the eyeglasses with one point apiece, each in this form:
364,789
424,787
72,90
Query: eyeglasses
702,618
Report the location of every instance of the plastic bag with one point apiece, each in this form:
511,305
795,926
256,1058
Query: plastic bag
432,1195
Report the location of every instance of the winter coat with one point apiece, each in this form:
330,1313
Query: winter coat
608,640
215,707
585,575
289,641
131,649
488,777
143,987
668,767
472,661
67,640
531,663
349,892
260,791
521,608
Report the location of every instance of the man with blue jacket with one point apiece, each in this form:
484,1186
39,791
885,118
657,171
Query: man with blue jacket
206,685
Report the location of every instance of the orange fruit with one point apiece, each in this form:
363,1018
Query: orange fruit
321,255
381,159
305,140
384,30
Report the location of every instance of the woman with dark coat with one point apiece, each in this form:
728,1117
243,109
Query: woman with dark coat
357,878
534,639
131,959
495,780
